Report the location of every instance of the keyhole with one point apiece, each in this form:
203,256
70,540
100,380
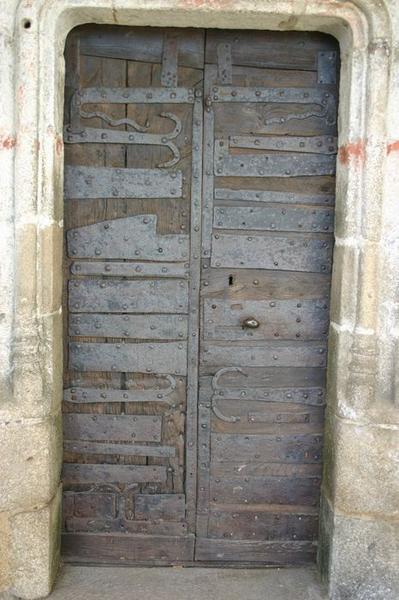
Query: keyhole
231,280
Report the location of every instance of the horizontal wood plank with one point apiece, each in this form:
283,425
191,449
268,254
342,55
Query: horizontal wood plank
265,552
274,490
166,357
170,507
232,447
94,427
269,354
117,474
90,524
285,319
262,525
124,548
288,253
118,449
120,296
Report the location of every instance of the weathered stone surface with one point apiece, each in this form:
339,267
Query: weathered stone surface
359,557
37,370
30,462
343,300
5,539
35,549
50,255
362,468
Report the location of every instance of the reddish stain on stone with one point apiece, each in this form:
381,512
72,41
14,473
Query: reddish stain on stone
393,147
8,143
352,151
58,145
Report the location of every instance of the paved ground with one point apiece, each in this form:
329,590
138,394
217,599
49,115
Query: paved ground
176,583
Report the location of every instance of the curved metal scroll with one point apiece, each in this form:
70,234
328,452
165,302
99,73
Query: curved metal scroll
141,135
215,386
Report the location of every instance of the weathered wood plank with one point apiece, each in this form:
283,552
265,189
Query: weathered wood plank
245,379
143,44
118,449
285,319
131,269
273,490
164,387
235,116
274,218
248,416
118,474
257,524
155,296
271,49
140,428
89,504
263,469
170,507
293,164
300,197
132,237
258,284
125,549
302,448
166,357
281,553
139,327
294,252
267,354
317,144
107,182
99,525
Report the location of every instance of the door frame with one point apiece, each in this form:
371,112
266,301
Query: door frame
361,351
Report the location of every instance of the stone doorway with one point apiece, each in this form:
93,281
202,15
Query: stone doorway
358,522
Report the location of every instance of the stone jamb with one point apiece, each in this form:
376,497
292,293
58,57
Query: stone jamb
362,350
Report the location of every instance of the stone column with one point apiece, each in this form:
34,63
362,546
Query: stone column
359,537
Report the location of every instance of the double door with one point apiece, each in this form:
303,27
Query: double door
199,211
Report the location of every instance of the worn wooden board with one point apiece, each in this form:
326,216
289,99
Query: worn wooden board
126,549
274,218
277,553
274,251
272,490
118,449
117,474
130,269
267,354
132,237
160,506
155,296
225,319
302,448
235,380
269,196
143,44
140,428
257,524
167,357
292,50
105,182
98,525
88,504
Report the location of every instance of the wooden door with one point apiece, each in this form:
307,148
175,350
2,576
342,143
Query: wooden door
269,164
199,182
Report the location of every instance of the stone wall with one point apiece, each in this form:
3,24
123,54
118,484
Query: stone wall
359,554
